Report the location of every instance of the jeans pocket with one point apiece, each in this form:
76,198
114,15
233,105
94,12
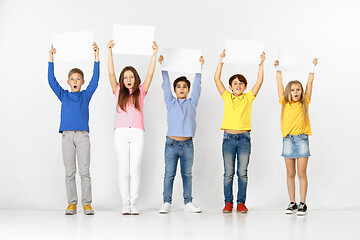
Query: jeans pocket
226,140
189,143
247,136
226,135
304,136
85,133
169,143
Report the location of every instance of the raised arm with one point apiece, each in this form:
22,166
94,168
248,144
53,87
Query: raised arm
260,78
96,74
309,84
51,53
195,93
218,83
150,73
57,89
111,70
96,52
279,82
166,84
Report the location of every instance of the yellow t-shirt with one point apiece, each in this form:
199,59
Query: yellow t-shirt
292,121
237,111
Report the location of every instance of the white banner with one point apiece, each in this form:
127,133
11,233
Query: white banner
133,39
243,52
295,61
181,60
74,46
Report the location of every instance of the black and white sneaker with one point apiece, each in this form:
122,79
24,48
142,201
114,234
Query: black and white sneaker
302,209
292,208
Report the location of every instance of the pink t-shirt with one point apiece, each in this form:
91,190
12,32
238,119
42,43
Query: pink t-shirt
132,117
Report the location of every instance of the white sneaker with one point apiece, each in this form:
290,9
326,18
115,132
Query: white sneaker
165,208
190,207
126,208
133,209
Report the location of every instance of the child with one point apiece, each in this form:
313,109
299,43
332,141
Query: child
295,128
129,127
181,129
74,127
237,126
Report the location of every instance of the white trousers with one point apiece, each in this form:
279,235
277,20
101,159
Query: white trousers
129,144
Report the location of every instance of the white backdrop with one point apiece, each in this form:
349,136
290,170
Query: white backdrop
31,169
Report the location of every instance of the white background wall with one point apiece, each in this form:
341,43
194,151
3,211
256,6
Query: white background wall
31,169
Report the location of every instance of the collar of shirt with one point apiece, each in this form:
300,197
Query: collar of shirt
239,97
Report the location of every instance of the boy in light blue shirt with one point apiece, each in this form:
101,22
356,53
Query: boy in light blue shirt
181,119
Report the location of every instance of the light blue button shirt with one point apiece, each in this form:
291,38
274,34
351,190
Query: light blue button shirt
181,113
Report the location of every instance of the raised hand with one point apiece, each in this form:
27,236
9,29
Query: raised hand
315,61
96,51
151,70
51,53
161,59
155,48
202,60
308,90
218,83
262,56
110,45
260,78
276,63
222,55
112,77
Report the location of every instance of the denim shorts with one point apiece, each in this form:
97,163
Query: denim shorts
296,146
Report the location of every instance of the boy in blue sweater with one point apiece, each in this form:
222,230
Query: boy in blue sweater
74,127
181,113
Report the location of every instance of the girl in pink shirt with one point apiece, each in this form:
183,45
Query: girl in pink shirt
129,127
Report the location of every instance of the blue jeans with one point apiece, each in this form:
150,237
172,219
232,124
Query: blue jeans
173,151
240,145
296,146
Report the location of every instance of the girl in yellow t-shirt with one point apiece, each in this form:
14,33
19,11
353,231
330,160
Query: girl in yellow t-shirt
295,128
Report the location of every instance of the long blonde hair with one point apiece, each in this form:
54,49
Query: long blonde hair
287,99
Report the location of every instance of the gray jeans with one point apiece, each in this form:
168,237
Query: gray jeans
76,144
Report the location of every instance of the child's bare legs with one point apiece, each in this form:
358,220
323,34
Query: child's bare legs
301,167
290,174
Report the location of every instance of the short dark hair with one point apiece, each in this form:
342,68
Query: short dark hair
76,70
240,77
182,79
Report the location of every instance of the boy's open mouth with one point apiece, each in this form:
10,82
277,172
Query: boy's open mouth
75,87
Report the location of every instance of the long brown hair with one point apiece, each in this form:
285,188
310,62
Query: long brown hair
124,93
287,99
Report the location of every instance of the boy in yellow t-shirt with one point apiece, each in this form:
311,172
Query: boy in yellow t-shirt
237,126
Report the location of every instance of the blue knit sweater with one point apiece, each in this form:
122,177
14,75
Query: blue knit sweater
74,105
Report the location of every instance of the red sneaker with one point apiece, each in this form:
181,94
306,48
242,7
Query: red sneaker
228,207
241,208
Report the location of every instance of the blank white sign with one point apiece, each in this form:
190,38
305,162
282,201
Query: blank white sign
295,61
181,60
74,46
243,52
133,39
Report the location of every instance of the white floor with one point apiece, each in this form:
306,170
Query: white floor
211,224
